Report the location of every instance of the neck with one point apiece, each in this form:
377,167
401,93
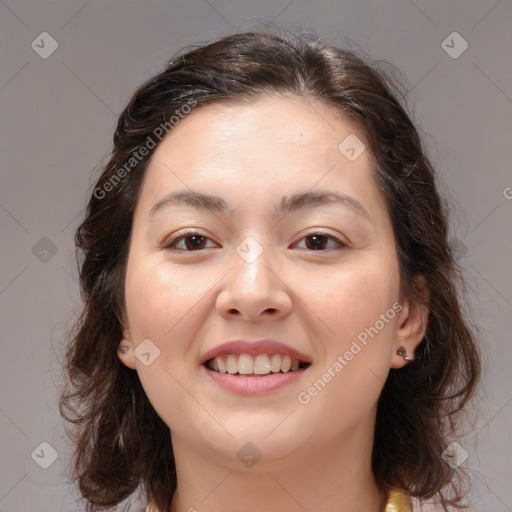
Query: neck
333,476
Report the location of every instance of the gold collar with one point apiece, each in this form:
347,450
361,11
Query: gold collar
397,502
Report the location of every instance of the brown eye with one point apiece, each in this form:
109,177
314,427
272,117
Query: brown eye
188,242
320,241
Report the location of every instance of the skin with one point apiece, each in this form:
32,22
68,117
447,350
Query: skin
315,456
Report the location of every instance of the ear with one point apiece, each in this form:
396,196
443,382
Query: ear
126,348
412,321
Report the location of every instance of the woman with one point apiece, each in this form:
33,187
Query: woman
271,319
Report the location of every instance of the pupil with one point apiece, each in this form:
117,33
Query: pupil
197,240
319,241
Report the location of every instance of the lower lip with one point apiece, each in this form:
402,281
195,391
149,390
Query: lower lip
253,385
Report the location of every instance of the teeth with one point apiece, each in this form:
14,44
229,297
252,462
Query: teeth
286,364
262,364
221,364
231,364
245,364
275,363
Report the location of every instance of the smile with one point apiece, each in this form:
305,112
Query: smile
255,365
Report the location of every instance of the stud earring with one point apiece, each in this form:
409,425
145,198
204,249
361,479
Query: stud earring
124,348
403,353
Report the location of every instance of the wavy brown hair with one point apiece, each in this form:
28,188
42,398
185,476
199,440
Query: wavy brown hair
121,444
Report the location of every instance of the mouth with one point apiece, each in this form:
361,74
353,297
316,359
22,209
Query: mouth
255,365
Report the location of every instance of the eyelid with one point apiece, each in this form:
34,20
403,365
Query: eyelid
321,232
173,239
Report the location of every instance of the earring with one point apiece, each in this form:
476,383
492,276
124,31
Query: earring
124,348
403,353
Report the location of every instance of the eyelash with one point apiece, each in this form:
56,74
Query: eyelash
171,243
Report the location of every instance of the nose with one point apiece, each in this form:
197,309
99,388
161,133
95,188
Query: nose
254,290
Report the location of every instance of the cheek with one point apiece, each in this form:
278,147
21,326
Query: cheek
358,309
352,299
159,296
160,305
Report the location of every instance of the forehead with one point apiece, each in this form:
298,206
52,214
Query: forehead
270,144
275,123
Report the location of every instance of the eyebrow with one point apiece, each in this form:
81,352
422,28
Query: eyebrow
287,204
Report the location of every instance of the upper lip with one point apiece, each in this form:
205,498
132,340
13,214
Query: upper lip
261,346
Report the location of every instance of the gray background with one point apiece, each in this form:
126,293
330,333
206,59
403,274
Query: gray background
58,115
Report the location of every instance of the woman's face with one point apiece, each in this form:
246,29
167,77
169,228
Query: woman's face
270,257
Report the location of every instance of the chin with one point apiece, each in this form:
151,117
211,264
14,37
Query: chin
267,435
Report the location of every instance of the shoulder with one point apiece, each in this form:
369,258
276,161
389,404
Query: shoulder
417,506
